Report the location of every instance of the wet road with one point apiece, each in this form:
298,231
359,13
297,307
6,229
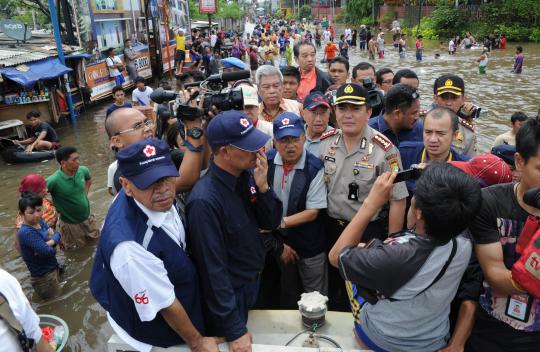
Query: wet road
499,91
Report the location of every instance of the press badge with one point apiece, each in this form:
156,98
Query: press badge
519,307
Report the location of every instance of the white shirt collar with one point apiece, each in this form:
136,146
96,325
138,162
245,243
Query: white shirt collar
157,218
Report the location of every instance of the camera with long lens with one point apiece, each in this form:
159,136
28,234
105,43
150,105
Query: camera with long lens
375,98
212,90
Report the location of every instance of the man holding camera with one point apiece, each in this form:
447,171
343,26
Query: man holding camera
449,92
400,121
401,289
364,75
353,157
509,315
225,210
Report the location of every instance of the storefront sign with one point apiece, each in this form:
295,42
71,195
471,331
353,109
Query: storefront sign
207,6
98,79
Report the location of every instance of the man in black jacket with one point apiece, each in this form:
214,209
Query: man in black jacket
312,79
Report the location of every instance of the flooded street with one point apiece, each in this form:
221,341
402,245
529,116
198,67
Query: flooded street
499,91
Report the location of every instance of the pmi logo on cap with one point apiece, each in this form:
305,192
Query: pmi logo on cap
244,122
285,121
149,150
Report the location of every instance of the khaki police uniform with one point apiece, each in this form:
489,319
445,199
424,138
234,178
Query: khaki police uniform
374,155
465,140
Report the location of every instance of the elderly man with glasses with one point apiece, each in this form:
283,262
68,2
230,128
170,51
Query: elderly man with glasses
270,86
126,126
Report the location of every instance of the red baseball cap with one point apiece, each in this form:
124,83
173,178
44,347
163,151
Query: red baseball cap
32,183
487,168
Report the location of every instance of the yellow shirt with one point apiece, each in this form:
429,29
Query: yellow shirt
180,42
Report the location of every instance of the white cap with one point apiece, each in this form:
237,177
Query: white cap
250,95
312,302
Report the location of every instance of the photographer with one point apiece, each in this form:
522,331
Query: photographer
508,318
401,288
364,75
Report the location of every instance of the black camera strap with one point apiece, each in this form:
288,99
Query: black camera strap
7,315
441,273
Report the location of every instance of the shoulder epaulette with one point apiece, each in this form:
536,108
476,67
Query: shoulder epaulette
382,141
466,124
329,133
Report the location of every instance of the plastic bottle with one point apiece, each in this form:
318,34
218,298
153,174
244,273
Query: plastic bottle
58,336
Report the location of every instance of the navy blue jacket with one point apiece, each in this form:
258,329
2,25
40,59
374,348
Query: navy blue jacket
127,222
39,257
224,215
411,153
308,239
414,135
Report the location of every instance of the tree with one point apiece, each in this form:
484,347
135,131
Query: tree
8,8
305,12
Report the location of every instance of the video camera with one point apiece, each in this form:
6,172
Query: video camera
211,88
375,98
475,113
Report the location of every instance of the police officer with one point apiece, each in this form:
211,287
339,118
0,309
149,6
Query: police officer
353,157
142,275
449,91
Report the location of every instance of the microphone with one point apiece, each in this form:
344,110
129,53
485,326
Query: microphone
229,76
532,198
161,95
222,77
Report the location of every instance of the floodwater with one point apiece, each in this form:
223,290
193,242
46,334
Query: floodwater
498,91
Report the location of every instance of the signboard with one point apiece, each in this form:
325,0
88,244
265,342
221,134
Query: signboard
98,79
16,30
207,6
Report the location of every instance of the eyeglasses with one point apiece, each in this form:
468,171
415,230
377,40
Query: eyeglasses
289,140
387,81
137,126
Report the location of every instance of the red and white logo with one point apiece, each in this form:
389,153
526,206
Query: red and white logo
244,122
252,190
140,298
285,121
149,150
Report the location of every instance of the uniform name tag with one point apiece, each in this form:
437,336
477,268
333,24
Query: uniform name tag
518,307
329,158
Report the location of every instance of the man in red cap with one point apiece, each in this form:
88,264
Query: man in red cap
487,168
36,183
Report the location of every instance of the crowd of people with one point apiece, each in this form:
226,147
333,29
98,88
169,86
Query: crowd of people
303,190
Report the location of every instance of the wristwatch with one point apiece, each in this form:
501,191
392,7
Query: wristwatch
195,132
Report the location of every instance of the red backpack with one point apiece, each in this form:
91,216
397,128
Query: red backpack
526,271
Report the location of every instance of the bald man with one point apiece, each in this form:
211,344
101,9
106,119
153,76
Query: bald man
126,126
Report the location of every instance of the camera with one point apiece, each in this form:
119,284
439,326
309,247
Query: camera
375,98
413,173
211,88
475,113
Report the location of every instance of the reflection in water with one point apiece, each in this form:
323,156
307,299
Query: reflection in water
498,91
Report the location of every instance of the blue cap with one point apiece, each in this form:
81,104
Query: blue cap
235,128
288,124
231,62
505,152
146,162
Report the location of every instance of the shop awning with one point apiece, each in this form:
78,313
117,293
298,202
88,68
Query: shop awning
35,71
78,56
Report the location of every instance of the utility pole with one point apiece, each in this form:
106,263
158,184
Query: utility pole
56,28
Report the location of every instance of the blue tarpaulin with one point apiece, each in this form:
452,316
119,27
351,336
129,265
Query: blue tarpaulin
78,56
38,70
